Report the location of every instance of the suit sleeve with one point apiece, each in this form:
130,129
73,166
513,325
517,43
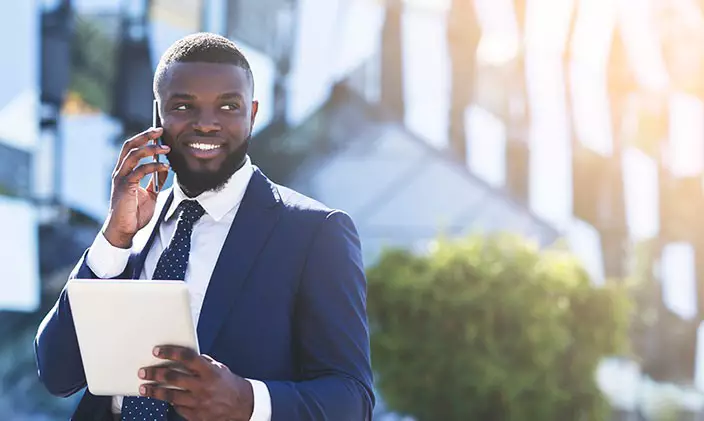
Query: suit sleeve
332,333
57,355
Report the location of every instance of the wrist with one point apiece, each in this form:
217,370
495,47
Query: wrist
246,400
117,239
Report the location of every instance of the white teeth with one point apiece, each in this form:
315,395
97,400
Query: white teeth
203,146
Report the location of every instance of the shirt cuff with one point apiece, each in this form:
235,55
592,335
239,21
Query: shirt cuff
105,260
262,401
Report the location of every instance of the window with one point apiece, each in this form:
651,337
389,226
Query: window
500,38
585,242
640,179
547,25
686,151
426,72
311,77
591,111
677,272
486,151
549,141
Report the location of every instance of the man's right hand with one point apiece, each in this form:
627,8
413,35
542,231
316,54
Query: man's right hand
132,206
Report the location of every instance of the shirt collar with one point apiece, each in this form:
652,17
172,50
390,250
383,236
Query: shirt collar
217,203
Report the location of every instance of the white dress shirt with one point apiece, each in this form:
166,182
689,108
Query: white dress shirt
207,239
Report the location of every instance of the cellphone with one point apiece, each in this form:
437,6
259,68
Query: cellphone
156,122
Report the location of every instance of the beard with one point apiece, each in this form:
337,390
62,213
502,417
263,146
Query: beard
202,181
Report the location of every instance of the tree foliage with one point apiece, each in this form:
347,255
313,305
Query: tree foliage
491,328
94,63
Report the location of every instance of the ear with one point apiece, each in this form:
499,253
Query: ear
255,108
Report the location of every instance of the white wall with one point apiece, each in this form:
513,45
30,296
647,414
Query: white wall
19,61
19,128
89,156
332,37
426,72
20,286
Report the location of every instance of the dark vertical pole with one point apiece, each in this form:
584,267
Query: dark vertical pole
463,37
56,27
517,117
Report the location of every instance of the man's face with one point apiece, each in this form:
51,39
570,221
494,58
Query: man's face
207,113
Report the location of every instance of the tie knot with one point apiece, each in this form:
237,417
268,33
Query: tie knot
191,211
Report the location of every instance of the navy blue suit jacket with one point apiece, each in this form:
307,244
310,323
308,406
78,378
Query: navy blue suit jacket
286,305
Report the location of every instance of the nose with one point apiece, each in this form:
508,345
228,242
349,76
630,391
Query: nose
207,122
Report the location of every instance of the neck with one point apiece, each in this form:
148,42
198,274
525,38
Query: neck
191,193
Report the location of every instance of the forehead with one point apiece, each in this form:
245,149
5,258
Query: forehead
205,79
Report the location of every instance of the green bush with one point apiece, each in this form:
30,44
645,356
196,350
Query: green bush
492,329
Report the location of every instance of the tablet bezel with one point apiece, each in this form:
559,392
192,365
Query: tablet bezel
119,322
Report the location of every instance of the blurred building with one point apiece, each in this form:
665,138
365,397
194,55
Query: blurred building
580,120
19,142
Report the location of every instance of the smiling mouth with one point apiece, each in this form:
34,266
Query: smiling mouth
200,150
204,146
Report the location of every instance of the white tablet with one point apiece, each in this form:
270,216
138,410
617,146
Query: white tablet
118,324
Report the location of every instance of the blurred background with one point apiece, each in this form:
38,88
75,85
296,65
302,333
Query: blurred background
570,123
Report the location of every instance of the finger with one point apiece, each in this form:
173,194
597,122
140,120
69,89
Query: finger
188,357
173,396
169,375
138,140
162,174
145,169
134,156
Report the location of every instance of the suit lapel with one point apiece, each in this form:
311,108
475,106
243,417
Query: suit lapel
256,217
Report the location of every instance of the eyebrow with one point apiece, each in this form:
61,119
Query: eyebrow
182,96
231,95
189,97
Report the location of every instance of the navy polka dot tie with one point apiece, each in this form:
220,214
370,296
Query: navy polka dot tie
171,266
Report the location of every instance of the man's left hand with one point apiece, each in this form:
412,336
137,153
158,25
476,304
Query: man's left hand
210,390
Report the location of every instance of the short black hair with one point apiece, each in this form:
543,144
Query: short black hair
202,47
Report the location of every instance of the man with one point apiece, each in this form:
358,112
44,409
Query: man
276,279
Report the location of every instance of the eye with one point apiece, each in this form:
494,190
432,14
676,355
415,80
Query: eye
182,107
230,107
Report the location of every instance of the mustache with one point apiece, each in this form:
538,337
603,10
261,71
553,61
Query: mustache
198,133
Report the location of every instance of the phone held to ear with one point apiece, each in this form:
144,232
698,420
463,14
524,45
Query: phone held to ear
156,122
